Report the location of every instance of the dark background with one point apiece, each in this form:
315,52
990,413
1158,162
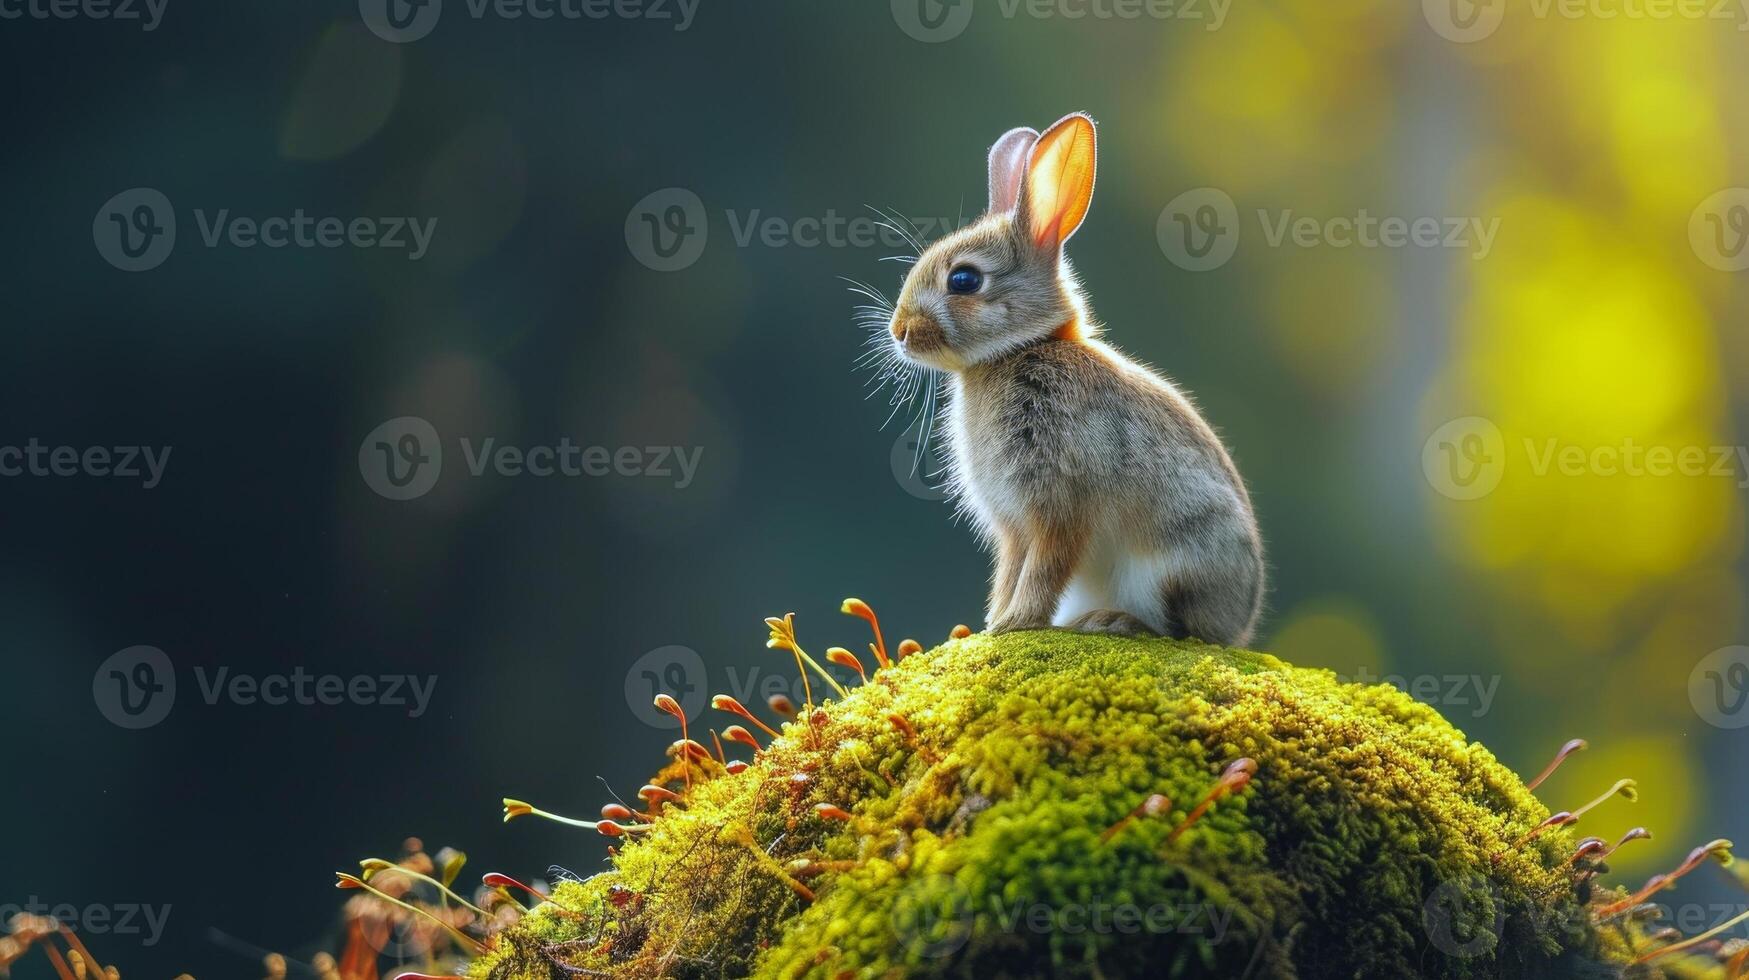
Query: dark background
1588,599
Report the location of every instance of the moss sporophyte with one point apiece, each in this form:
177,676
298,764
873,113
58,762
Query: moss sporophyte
1047,803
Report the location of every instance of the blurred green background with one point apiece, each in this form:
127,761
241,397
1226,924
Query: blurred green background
1606,310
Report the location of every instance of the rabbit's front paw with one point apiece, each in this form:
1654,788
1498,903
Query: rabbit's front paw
1012,624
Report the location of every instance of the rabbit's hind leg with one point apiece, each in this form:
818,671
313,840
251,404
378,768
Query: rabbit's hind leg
1216,602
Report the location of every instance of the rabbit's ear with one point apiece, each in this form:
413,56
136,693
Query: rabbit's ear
1007,166
1059,181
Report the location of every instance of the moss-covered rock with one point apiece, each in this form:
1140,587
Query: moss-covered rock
983,780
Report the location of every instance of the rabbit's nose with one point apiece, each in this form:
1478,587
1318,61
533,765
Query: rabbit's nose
908,323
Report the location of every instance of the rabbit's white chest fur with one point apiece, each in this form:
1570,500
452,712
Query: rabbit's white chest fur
1010,442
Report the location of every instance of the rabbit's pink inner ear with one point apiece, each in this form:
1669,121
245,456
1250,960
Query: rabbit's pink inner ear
1008,166
1059,181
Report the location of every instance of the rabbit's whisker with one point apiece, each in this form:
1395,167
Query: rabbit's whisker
926,427
892,218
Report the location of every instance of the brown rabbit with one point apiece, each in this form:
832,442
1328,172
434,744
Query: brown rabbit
1111,505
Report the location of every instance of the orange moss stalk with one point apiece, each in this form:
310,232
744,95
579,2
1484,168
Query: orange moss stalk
1719,850
1152,806
1694,941
1625,788
722,702
59,964
657,795
828,811
667,703
371,867
783,637
1735,967
1638,833
346,881
611,828
861,610
1576,745
844,658
1235,777
735,733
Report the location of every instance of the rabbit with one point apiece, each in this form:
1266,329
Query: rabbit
1111,506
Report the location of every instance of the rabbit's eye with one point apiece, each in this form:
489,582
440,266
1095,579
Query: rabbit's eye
964,279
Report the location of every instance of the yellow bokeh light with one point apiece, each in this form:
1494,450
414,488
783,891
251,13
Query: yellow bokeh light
1334,633
1334,319
1591,353
1259,101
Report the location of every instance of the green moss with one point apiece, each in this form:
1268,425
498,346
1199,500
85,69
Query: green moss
1374,840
